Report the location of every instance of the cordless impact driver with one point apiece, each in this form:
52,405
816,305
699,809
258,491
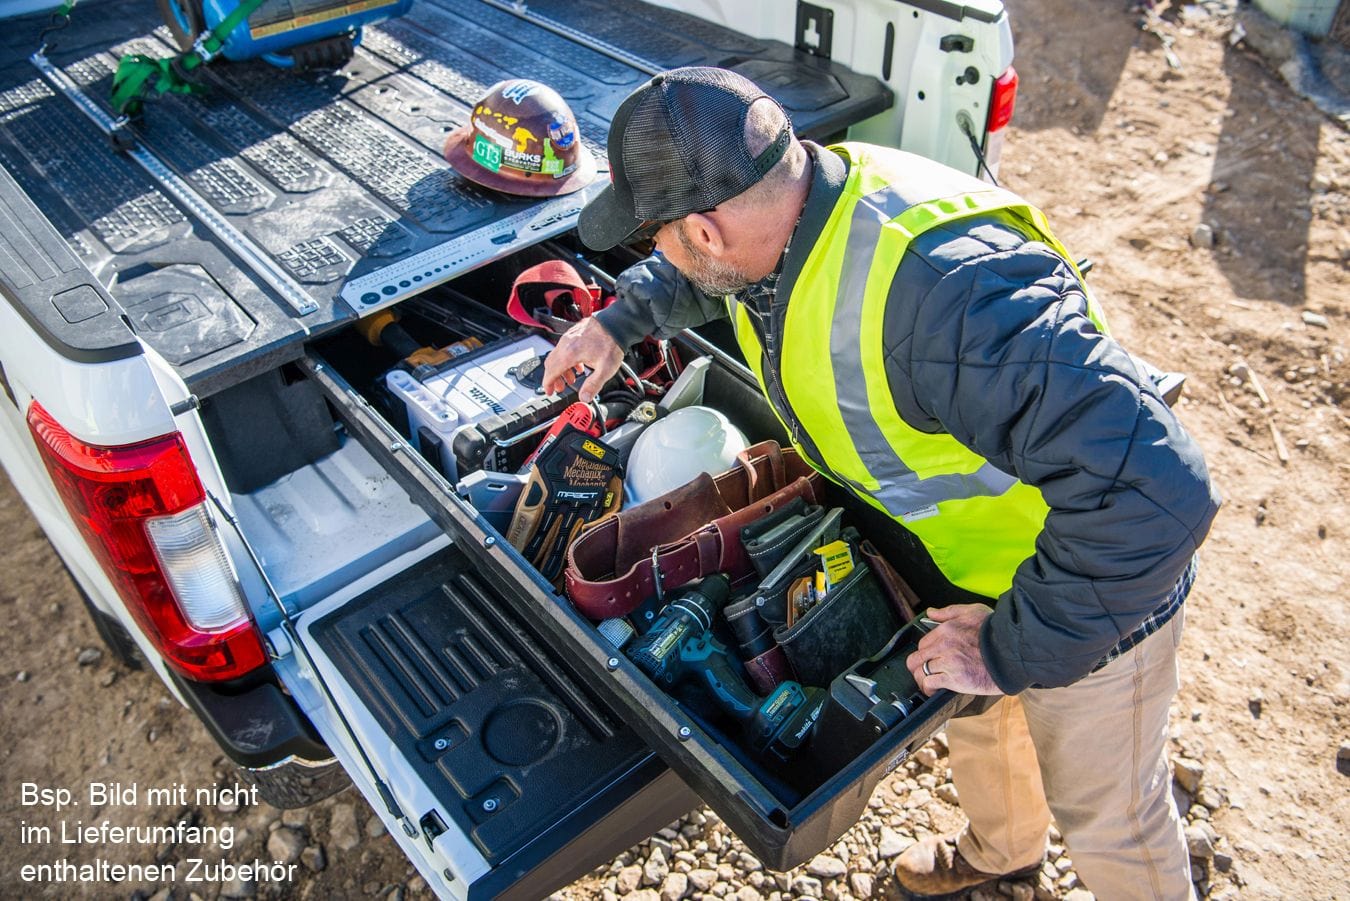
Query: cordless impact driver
680,648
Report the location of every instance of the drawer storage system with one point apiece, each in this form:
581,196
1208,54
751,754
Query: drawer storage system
250,241
786,812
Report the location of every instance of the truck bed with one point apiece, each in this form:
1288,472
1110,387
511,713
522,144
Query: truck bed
333,180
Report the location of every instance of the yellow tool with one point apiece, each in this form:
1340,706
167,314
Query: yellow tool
837,561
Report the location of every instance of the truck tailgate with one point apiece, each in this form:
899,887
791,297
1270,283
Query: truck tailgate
526,767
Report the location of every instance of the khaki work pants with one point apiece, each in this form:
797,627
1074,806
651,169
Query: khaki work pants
1096,752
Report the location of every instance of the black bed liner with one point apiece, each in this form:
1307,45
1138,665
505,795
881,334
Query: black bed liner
336,176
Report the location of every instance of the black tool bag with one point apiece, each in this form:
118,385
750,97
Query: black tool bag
854,620
777,546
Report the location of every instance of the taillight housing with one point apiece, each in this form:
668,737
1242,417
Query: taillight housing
1002,100
143,512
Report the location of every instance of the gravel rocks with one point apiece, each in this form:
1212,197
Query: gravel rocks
920,797
1209,797
1200,839
861,884
239,888
314,859
88,656
1183,800
702,880
826,867
630,878
710,862
675,887
655,870
1188,773
891,844
343,833
285,845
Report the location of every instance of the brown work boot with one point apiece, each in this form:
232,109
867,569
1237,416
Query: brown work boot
932,869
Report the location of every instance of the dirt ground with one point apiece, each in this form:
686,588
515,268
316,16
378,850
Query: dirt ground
1128,155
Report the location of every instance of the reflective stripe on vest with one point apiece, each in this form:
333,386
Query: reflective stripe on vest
977,522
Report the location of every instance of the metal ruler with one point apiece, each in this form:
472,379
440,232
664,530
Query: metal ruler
413,275
255,257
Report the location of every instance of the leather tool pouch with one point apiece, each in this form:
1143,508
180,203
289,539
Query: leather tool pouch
793,559
767,541
685,534
765,664
855,620
902,597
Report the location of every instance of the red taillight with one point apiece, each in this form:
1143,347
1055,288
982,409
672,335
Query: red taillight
119,497
1002,100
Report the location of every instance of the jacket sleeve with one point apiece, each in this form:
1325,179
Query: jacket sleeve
1004,358
653,298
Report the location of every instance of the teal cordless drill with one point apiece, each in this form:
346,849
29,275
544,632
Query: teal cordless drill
680,648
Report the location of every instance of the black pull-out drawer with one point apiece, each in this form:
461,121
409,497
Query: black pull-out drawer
784,827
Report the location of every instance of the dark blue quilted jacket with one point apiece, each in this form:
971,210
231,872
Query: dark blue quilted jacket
988,339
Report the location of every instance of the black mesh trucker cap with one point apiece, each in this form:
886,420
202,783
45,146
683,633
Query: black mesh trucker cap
677,146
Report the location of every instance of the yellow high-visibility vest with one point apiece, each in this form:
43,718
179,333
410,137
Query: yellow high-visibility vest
978,522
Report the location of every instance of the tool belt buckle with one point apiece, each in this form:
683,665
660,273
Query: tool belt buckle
656,576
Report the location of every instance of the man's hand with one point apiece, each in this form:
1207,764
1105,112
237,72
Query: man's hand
952,652
585,344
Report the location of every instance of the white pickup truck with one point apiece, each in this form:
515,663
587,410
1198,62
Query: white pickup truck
225,467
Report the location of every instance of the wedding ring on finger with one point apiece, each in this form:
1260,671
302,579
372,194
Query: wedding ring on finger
926,670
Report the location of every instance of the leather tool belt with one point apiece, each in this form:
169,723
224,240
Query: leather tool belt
685,534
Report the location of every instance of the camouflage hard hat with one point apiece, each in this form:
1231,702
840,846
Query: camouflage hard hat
522,139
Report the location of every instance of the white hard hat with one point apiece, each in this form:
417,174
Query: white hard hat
675,449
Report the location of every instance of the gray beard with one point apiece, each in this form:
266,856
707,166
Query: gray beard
713,277
718,281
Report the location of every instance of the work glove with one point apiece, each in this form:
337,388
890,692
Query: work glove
575,481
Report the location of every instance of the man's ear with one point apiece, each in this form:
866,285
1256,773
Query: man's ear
705,234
